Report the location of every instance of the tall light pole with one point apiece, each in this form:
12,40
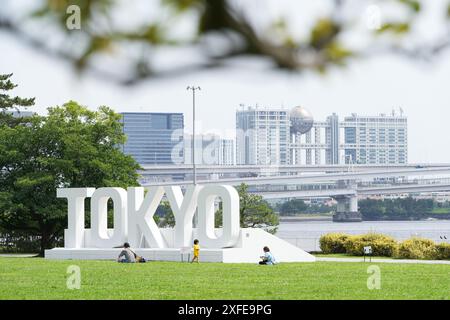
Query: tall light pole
193,89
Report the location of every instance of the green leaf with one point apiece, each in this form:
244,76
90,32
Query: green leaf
182,5
324,32
413,4
396,28
337,53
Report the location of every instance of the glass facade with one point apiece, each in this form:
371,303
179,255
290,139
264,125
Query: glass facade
332,132
154,138
376,139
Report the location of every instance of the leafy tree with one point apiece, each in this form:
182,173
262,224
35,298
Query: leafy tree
296,206
254,211
293,206
371,208
164,214
390,209
71,147
323,45
7,102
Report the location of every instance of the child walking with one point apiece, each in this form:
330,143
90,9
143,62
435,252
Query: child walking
196,251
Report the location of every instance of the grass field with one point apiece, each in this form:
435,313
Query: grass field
36,278
441,210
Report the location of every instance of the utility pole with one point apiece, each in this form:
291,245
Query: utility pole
193,89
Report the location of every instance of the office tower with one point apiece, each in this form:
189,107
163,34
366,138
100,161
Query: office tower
154,138
333,139
227,152
376,139
262,136
356,140
207,149
275,136
211,149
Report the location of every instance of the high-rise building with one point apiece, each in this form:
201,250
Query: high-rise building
154,138
376,139
211,149
227,152
275,136
332,137
262,136
358,140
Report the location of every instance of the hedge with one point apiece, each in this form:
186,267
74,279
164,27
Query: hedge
417,248
333,242
382,245
443,251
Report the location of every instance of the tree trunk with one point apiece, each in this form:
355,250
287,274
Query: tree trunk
46,243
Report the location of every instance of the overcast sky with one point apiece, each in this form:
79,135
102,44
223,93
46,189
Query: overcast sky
367,86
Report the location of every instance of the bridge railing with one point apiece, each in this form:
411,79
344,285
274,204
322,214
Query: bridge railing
335,186
301,187
404,182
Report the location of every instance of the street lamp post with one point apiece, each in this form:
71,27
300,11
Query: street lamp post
193,89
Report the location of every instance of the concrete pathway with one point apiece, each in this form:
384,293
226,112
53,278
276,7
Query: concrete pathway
13,255
375,260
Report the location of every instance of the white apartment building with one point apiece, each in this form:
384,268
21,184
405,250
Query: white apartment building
211,149
381,139
262,136
376,139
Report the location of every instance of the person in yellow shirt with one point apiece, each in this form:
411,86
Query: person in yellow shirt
196,251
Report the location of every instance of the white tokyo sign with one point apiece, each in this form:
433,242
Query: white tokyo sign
134,211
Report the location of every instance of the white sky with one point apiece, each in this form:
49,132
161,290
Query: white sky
367,86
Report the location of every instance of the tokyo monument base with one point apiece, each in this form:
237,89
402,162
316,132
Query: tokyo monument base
247,250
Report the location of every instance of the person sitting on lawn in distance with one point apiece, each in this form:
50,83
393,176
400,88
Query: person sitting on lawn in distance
196,251
268,257
126,255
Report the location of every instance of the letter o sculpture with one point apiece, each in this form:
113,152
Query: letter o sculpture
99,209
231,224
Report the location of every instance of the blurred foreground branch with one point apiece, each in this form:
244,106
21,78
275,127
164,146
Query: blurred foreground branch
135,50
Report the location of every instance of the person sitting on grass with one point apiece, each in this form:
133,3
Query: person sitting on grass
126,255
196,251
268,257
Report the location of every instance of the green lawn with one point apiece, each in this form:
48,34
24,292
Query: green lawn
36,278
441,210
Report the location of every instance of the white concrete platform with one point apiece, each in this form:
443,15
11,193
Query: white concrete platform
247,250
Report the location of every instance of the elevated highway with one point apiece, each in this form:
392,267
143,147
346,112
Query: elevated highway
311,178
281,170
341,182
340,192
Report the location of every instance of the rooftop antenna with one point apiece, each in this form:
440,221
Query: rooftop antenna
393,112
401,111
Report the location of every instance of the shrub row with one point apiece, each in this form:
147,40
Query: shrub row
382,245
